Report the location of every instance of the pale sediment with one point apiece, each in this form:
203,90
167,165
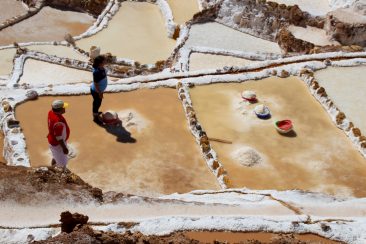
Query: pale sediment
136,31
183,10
36,29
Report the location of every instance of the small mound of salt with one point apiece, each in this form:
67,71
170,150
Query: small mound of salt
260,109
247,156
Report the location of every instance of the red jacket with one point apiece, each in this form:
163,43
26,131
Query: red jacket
58,128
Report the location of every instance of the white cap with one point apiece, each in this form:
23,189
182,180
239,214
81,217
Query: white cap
58,104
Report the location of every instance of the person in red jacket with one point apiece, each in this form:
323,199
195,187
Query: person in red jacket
58,134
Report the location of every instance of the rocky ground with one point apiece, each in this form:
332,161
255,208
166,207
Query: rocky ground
33,185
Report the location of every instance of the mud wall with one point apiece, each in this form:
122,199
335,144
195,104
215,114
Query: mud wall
264,19
94,7
346,33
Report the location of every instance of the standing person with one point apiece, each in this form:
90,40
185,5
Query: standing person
58,134
98,86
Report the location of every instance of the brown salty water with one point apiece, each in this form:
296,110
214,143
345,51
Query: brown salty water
262,237
317,157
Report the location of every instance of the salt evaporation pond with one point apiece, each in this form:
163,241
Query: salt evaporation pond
59,51
317,157
159,157
317,8
248,237
200,61
137,32
6,61
37,73
313,35
346,86
49,24
216,35
10,9
183,10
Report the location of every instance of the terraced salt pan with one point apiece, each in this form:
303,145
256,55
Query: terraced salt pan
311,34
6,61
346,87
59,51
10,9
49,24
200,61
37,73
137,32
183,10
216,35
319,157
314,7
159,157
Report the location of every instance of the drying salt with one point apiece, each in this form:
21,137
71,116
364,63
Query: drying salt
247,156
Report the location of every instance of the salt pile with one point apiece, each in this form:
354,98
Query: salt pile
260,109
247,156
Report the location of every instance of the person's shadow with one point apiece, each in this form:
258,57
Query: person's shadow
121,134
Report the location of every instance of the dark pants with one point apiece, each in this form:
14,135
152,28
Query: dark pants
97,101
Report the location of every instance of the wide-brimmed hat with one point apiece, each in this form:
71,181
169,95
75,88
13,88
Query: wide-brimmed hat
58,104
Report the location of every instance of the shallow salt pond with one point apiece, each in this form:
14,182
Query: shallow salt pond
163,159
313,35
317,157
137,32
10,9
38,73
317,8
262,237
183,10
346,86
47,25
200,61
6,61
216,35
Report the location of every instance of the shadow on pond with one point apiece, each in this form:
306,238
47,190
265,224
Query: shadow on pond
120,132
